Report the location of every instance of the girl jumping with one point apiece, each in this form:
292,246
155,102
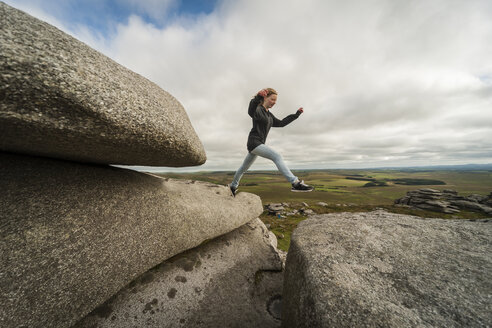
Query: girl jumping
263,120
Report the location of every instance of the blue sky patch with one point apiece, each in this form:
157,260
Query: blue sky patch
102,16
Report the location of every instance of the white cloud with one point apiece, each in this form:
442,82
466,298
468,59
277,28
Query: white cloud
381,81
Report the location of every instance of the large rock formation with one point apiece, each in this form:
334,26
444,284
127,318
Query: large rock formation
232,281
72,235
387,270
60,98
446,201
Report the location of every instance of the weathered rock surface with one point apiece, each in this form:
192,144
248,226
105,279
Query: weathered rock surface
446,201
275,208
232,281
72,235
306,211
387,270
60,98
282,210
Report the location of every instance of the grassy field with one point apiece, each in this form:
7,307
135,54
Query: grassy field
346,190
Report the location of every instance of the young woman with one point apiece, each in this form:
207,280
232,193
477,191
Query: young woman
263,120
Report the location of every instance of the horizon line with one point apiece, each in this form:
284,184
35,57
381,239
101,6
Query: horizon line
338,168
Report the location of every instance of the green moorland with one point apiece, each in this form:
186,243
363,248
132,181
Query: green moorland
348,191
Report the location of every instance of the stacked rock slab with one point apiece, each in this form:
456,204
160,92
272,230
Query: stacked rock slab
446,201
62,99
381,269
232,281
72,235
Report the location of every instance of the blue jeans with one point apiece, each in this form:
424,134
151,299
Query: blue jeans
266,152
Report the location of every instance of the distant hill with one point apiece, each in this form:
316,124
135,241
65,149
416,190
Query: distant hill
463,167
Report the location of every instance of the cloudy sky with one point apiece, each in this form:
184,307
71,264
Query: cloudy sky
383,82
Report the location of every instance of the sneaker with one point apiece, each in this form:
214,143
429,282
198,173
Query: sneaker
233,190
300,186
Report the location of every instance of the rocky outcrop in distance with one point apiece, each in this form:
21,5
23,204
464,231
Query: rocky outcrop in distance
62,99
380,269
446,201
283,210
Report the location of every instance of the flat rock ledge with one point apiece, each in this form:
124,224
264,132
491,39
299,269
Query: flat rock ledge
60,98
381,269
72,235
232,281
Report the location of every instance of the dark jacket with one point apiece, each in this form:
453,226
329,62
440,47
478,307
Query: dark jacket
263,120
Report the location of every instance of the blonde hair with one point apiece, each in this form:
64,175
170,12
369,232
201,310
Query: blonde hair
271,92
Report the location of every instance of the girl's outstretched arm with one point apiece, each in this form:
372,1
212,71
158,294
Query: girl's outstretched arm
288,119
